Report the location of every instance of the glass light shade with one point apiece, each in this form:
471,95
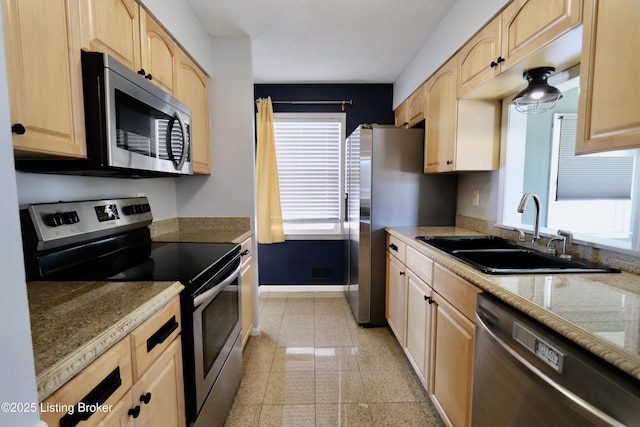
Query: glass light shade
538,97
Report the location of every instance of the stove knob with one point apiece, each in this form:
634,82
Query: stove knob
70,217
54,219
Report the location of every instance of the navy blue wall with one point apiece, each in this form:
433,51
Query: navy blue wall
300,262
372,103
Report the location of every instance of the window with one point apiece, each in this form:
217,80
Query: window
594,196
309,152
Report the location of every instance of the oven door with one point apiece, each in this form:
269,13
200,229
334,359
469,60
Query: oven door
216,326
145,132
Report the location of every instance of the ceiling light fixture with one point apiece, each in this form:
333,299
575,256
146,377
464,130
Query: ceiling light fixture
538,97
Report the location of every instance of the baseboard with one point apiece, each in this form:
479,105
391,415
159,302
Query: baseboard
301,288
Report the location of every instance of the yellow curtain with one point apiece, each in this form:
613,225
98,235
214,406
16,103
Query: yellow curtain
268,191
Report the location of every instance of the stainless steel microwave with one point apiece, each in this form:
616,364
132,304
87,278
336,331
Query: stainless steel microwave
133,128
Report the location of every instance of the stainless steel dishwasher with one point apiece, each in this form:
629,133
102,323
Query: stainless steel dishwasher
527,375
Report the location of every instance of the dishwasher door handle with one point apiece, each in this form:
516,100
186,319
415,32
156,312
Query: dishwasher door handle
590,410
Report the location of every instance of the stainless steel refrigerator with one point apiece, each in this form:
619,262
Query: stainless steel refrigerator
385,186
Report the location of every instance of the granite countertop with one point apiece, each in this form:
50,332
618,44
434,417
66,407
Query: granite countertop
72,323
202,229
599,312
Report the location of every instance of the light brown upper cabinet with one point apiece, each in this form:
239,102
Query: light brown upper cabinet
609,106
528,25
459,134
112,27
441,114
400,114
192,90
158,52
44,77
513,38
478,59
415,105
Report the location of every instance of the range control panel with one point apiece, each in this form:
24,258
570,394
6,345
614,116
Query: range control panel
63,223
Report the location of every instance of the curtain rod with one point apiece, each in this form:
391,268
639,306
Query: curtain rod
342,103
350,102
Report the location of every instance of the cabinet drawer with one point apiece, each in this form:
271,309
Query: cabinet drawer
420,265
104,381
457,291
396,247
151,338
245,251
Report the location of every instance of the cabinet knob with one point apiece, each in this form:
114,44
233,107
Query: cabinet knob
142,72
145,398
148,77
426,298
430,301
402,273
18,129
493,64
500,59
134,412
449,162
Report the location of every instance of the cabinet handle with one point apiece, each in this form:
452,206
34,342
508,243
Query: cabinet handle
96,397
18,129
148,77
402,273
134,412
142,72
245,252
162,334
393,247
145,398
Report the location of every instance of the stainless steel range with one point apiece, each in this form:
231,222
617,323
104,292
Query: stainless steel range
109,240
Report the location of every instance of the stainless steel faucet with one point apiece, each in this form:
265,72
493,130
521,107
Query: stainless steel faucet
536,219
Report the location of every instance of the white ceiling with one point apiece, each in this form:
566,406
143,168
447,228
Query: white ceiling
326,41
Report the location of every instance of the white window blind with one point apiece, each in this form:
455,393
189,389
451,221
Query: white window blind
590,177
308,153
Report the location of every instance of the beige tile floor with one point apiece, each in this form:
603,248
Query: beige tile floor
312,365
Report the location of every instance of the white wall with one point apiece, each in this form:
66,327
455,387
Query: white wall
464,19
487,185
229,189
17,373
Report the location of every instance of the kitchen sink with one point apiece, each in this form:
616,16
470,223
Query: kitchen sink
494,255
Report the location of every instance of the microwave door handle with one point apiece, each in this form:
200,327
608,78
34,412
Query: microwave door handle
178,164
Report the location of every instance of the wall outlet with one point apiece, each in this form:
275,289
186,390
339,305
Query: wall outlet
475,198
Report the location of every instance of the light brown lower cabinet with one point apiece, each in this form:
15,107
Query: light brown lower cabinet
141,377
436,309
452,364
246,289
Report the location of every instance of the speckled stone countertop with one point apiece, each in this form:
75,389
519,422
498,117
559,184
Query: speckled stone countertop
215,229
600,312
72,323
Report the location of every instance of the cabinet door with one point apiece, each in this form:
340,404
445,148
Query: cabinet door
418,325
452,364
478,59
529,25
396,296
158,53
416,107
400,115
45,77
246,293
441,119
112,27
160,392
193,90
608,106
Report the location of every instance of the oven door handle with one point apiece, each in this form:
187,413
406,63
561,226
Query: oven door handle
211,293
